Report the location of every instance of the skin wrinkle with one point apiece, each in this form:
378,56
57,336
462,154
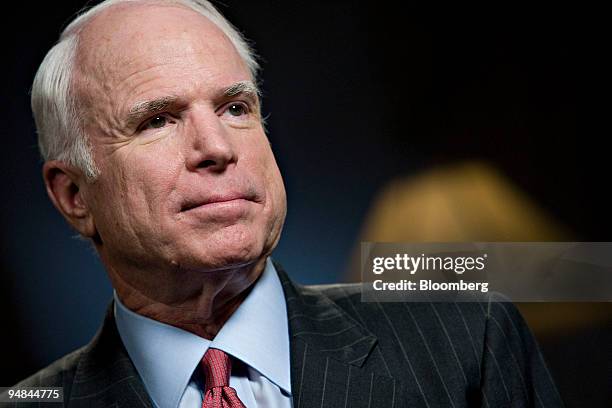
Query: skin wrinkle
95,82
112,123
190,269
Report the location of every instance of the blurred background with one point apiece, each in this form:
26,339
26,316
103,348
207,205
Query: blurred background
389,123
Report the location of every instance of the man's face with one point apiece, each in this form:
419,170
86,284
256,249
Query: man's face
188,179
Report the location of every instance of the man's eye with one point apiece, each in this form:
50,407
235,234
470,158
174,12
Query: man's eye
237,109
155,122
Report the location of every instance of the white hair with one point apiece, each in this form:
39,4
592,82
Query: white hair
56,111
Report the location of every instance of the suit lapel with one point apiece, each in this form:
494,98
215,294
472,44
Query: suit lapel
105,375
328,351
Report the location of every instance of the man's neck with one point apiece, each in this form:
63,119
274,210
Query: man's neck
199,302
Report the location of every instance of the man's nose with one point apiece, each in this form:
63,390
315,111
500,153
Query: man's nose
209,143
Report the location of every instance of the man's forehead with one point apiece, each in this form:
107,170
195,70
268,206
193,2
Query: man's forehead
123,32
135,47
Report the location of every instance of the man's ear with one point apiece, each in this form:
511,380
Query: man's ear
64,186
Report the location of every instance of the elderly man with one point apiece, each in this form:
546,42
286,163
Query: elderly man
150,125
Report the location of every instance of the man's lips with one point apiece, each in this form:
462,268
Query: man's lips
214,199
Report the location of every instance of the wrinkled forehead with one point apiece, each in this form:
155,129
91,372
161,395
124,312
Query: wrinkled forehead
130,37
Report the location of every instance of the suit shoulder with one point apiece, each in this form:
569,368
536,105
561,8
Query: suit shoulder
57,374
471,318
473,308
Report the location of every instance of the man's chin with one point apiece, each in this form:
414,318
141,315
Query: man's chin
223,260
234,246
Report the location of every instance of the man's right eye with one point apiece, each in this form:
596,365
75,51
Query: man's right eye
156,122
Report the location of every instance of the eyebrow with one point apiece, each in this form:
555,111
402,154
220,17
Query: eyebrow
144,109
243,87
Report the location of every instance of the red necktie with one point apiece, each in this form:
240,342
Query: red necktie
217,367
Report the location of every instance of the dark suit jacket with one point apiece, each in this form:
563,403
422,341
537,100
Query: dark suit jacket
346,353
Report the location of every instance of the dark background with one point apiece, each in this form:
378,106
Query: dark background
357,93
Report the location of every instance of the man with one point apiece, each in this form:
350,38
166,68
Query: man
149,122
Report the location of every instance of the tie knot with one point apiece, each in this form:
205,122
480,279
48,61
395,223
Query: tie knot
217,367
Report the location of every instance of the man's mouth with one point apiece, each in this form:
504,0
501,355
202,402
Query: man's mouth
214,199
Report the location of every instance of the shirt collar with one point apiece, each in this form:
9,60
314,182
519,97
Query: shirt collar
257,333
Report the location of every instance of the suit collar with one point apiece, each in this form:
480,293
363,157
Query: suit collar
105,375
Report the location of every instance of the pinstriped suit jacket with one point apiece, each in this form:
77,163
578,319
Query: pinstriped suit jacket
345,353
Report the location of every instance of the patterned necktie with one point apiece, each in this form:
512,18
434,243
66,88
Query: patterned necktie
217,367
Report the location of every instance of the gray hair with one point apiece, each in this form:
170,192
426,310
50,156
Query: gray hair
60,132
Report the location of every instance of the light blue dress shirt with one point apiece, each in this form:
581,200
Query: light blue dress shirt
257,333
